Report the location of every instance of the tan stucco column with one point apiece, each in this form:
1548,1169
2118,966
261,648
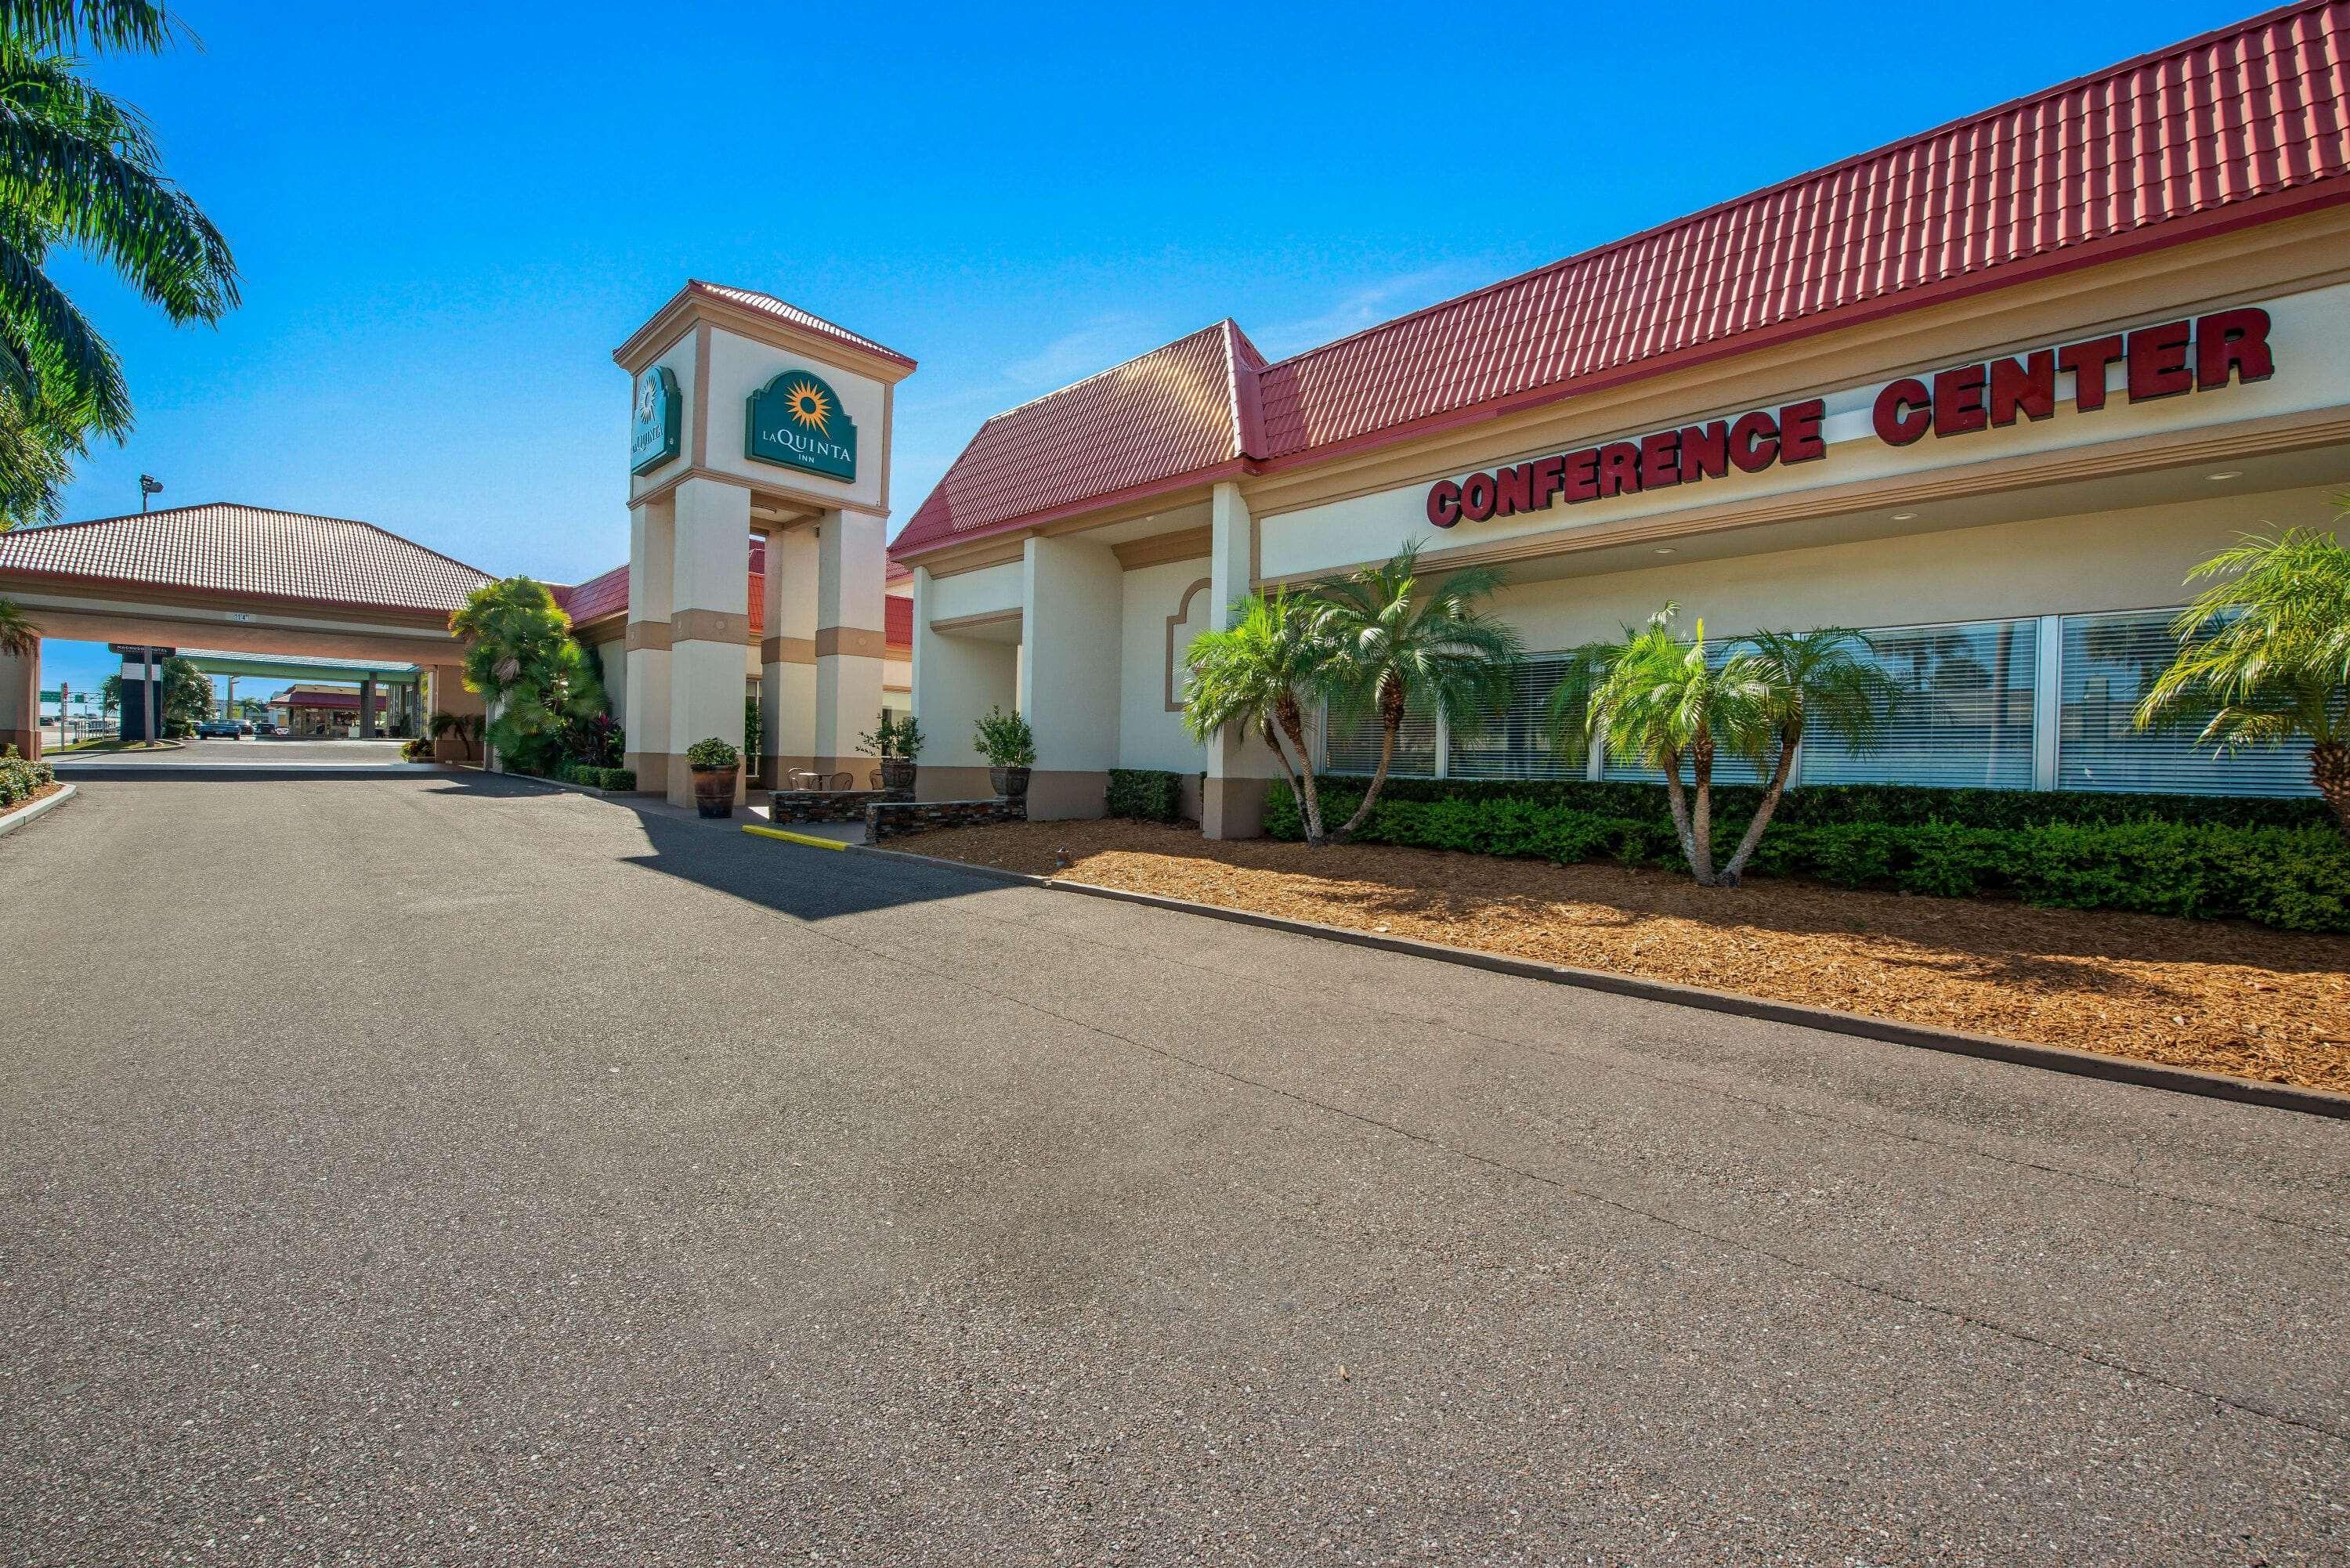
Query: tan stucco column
1072,624
652,535
787,656
956,680
709,623
849,639
1240,770
20,702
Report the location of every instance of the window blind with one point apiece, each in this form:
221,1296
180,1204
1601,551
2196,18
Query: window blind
2109,660
1515,744
1353,748
1963,717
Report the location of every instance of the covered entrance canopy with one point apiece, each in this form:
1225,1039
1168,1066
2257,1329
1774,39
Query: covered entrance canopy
252,581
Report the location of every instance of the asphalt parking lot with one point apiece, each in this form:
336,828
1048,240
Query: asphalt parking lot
452,1171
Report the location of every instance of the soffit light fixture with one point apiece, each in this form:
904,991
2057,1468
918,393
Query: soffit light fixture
1903,516
2231,474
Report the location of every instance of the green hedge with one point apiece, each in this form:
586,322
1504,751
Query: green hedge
598,778
19,778
2297,878
1892,804
1148,795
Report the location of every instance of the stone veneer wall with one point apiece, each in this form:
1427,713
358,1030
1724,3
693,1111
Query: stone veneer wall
897,819
831,805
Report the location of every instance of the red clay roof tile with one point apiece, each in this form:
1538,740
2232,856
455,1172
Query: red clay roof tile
2246,124
768,305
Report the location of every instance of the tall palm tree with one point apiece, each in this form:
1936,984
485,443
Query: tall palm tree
1393,637
1821,680
2264,655
1257,673
1658,698
18,634
80,171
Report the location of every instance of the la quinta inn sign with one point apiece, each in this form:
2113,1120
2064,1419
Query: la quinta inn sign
656,422
797,419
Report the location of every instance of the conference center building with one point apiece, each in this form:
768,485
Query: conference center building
1986,395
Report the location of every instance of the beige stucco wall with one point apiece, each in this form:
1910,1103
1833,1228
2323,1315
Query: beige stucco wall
984,592
1148,735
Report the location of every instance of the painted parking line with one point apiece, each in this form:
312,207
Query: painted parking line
811,840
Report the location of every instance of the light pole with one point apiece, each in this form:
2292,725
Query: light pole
148,485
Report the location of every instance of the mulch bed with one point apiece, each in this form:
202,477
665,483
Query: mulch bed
29,802
2221,996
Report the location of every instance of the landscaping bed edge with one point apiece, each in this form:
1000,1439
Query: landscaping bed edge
1954,1041
12,820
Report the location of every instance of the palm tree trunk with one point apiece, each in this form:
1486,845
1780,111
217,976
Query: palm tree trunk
1378,778
2329,769
1301,784
1788,738
1677,798
1702,812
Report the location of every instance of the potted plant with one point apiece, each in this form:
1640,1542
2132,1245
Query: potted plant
1009,747
714,763
897,745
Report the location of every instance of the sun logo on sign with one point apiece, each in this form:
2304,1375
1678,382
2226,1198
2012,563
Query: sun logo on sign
647,394
810,407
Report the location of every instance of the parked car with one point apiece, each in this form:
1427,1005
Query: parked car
218,729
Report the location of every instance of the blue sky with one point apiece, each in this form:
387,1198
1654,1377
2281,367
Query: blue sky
446,221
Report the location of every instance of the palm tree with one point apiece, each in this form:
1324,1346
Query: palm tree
1393,638
18,634
466,727
1655,697
1257,673
80,171
2264,654
1822,680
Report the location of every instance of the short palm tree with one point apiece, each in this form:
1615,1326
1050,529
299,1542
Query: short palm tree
1820,682
80,171
1257,673
466,727
1393,636
1658,698
18,634
2264,655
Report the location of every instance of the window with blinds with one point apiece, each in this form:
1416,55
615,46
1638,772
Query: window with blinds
1353,748
2109,660
1515,744
1963,717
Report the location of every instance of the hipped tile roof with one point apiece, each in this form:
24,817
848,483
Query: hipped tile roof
2246,124
233,549
783,310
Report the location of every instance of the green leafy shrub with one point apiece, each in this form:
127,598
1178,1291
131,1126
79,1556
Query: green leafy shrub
2296,877
20,779
1146,794
1004,739
598,778
711,755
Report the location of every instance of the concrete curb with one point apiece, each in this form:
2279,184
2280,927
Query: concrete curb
1991,1047
271,772
42,807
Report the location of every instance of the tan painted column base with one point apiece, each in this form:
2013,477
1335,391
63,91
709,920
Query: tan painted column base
652,769
1057,794
951,784
27,742
1233,808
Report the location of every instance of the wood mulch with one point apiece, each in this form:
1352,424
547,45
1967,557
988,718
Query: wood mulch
29,802
2223,996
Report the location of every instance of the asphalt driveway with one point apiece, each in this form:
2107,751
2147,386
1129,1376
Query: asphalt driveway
452,1171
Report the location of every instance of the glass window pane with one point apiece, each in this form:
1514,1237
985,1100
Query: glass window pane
1964,716
2109,662
1355,748
1515,742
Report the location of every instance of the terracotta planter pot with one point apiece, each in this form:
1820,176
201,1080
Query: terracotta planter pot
713,791
897,772
1012,784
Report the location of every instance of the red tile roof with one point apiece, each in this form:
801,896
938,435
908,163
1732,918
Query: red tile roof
595,598
231,549
898,622
2247,124
1168,415
768,305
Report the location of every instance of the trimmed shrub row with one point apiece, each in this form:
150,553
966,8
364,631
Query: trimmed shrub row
1144,794
1890,803
19,779
598,778
2292,877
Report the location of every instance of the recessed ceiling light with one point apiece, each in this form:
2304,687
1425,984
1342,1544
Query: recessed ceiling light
2232,473
1664,549
1903,516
